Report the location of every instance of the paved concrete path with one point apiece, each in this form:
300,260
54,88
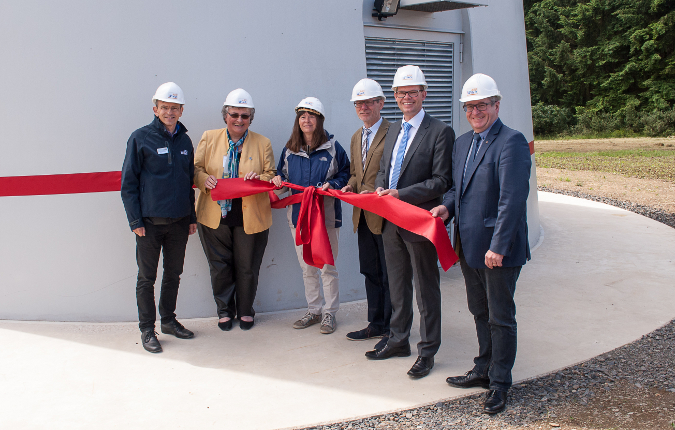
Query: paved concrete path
601,278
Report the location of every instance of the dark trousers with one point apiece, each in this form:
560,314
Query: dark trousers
170,239
489,293
373,267
234,262
408,262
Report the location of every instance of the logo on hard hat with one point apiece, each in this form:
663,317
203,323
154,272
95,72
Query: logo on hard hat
173,96
243,101
360,93
472,91
309,103
406,77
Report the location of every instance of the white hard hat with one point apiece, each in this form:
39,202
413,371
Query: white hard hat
239,98
311,104
366,89
479,87
409,75
169,92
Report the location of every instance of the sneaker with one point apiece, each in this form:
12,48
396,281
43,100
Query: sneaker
150,342
366,333
328,324
307,320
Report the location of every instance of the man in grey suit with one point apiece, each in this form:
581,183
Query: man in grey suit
416,168
366,151
491,182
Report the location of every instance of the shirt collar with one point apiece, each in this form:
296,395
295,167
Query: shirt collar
175,130
416,120
483,134
375,127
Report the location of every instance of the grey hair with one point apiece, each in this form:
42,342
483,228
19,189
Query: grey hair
495,99
224,112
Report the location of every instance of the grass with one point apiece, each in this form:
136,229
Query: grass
637,163
606,135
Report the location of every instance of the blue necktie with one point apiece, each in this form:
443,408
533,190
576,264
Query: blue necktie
399,156
472,156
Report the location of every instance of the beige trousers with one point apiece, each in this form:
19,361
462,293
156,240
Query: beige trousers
328,275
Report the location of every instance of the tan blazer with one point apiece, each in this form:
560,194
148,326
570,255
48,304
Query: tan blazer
256,155
364,179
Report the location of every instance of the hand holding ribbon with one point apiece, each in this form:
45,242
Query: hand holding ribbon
311,230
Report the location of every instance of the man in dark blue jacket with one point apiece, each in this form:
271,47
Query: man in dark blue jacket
158,197
491,173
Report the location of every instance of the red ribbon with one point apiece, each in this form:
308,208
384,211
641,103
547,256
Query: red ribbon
74,183
311,228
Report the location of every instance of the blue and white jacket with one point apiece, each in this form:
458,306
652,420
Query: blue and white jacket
327,163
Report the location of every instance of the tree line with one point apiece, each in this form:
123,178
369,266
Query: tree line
601,67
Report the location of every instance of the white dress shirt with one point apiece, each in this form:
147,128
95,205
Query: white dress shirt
373,132
415,123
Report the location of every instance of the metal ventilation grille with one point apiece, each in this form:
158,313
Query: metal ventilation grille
439,5
384,56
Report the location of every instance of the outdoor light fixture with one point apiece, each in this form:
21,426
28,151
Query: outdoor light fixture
385,8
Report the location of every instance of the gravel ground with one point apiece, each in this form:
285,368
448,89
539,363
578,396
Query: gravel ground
631,387
659,215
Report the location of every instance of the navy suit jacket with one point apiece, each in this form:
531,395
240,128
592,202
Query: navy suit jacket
426,169
491,207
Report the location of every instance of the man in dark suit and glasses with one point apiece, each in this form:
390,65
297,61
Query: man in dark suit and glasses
491,183
416,168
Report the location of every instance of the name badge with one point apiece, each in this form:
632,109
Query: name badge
164,150
226,166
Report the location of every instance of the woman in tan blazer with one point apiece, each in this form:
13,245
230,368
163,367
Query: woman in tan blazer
234,232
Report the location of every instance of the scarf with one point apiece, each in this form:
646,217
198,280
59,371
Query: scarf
231,168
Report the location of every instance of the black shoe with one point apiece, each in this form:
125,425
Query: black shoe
422,367
366,333
468,380
225,326
245,325
150,342
175,328
388,352
495,402
383,342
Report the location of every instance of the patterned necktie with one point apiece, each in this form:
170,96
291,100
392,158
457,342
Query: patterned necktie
364,145
472,156
399,156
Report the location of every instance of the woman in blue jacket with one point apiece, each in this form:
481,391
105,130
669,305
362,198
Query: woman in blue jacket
312,157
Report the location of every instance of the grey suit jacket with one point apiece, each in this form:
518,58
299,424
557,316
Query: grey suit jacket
426,172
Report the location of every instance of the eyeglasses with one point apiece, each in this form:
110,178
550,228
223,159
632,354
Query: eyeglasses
368,103
172,109
401,94
236,116
482,107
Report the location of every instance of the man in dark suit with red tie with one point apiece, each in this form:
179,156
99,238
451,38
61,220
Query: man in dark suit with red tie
488,199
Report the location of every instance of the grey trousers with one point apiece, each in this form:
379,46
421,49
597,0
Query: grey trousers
411,263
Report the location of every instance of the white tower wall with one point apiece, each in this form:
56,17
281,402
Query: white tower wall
78,77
